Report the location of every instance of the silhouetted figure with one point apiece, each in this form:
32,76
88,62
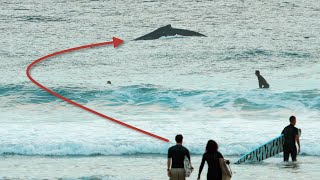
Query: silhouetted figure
217,169
262,82
291,136
176,155
108,82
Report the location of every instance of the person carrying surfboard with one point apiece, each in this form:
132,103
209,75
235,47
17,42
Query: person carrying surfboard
291,136
217,169
176,155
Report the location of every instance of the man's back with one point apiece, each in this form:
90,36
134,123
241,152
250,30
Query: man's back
291,136
290,133
177,153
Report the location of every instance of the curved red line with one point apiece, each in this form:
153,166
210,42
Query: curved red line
75,103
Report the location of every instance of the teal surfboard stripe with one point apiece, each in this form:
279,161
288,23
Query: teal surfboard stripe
262,145
264,151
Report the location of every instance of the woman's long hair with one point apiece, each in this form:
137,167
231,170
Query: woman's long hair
212,146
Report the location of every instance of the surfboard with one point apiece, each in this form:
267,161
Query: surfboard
266,150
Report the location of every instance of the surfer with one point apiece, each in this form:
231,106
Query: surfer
108,82
262,82
217,169
291,136
176,155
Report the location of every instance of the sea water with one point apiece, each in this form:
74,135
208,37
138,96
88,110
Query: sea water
201,87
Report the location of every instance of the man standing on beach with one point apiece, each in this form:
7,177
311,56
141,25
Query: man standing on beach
176,155
291,136
262,82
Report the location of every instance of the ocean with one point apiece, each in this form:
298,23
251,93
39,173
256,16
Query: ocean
201,87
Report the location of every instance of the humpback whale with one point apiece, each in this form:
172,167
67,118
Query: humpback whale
168,31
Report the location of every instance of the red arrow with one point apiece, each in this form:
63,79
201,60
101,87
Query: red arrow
116,42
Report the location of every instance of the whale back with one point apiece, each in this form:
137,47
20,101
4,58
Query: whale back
168,31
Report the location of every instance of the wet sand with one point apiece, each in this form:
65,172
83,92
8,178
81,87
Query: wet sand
145,167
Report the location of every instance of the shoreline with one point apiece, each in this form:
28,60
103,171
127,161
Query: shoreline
144,167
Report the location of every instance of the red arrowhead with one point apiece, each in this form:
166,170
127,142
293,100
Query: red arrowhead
116,42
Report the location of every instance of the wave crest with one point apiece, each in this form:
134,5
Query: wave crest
89,149
147,94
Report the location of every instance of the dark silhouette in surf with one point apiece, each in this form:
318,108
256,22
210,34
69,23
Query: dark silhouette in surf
168,31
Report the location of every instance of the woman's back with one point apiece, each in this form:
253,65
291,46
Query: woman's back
214,170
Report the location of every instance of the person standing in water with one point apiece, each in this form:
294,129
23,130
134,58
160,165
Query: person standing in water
217,169
262,82
176,156
291,136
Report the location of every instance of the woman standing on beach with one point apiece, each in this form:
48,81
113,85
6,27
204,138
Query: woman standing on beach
216,163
